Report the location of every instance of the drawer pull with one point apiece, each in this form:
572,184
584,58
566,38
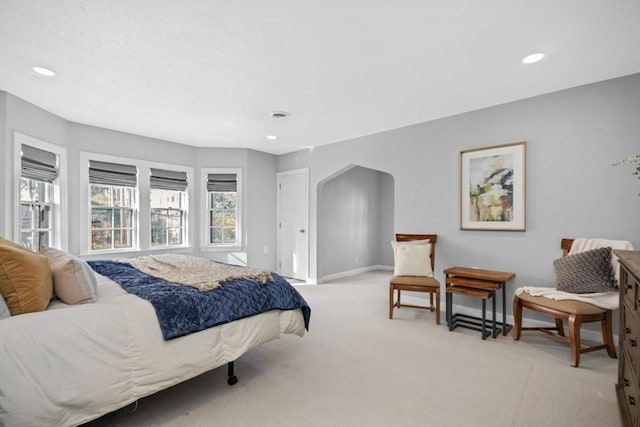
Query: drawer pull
632,400
634,343
627,330
626,382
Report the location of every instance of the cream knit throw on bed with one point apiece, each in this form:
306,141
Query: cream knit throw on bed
200,273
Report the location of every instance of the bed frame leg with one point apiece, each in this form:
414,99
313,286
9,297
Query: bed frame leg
231,378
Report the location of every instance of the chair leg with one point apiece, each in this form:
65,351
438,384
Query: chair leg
574,324
437,306
390,301
517,318
607,335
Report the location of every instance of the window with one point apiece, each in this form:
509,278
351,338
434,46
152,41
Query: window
168,204
223,209
113,195
38,171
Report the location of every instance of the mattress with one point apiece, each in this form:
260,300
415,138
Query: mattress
71,364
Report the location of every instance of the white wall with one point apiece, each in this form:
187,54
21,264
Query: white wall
573,138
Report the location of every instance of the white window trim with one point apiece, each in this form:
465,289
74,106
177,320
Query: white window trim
204,223
60,217
142,238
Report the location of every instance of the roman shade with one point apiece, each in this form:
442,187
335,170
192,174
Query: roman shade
38,164
168,180
112,174
222,182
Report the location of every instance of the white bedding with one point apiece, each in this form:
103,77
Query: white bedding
71,364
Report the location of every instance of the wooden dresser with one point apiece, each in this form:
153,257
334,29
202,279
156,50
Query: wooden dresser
628,387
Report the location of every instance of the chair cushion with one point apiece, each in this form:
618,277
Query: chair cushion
567,306
585,272
427,282
412,258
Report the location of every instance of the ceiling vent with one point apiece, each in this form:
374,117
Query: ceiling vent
279,114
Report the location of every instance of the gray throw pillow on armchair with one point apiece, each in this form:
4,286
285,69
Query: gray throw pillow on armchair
585,272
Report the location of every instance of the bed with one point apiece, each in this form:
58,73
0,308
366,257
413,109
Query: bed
71,364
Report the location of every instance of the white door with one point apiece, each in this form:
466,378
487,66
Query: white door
293,224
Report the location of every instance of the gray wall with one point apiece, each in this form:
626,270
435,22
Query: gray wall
355,212
260,230
31,120
573,137
259,198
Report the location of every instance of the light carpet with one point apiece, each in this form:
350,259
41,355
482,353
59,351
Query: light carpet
358,368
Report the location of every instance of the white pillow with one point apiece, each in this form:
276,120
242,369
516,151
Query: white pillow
74,282
412,258
4,310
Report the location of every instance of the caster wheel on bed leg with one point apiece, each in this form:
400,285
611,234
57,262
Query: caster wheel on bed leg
232,380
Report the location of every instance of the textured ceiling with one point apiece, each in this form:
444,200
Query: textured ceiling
208,74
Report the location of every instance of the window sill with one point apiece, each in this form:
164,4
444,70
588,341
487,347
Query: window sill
221,248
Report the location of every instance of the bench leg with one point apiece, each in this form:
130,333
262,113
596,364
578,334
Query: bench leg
560,327
607,335
574,324
517,318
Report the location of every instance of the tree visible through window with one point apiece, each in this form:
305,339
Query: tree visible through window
113,210
222,217
168,217
113,189
222,202
38,172
36,211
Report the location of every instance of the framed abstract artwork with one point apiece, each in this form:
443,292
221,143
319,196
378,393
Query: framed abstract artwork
492,188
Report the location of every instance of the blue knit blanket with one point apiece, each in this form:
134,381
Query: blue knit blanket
182,310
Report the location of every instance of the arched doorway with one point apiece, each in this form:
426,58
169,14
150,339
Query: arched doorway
355,222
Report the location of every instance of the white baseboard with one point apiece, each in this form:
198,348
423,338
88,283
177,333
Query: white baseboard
354,272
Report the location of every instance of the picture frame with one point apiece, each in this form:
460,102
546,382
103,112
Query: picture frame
493,188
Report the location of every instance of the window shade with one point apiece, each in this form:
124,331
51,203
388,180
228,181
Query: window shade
112,174
168,180
37,164
222,182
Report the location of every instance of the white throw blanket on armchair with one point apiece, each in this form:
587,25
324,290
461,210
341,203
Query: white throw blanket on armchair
606,300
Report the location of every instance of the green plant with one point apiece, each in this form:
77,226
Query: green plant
633,161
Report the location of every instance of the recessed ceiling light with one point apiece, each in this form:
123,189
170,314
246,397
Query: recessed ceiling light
44,71
272,137
534,57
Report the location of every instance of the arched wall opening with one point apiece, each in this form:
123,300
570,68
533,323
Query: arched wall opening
355,222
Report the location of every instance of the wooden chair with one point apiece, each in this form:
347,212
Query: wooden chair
574,312
416,283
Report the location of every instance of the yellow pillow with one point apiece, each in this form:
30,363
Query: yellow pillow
7,242
25,280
